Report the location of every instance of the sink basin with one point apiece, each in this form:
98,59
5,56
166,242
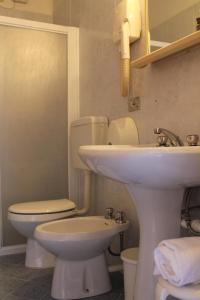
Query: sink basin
156,167
155,178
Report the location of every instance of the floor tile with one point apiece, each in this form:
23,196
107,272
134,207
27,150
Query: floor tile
117,281
20,272
13,259
8,285
20,283
121,297
108,296
12,297
37,288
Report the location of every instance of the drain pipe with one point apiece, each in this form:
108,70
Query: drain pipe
192,225
86,193
121,235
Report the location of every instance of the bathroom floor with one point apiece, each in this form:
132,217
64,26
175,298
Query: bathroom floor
20,283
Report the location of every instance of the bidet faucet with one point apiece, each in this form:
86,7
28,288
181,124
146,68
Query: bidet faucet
120,217
173,138
109,213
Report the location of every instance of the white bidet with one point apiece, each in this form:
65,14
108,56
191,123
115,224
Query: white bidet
79,246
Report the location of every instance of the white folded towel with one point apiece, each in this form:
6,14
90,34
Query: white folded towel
178,260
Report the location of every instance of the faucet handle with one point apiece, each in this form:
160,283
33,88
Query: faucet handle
109,213
192,139
162,140
120,217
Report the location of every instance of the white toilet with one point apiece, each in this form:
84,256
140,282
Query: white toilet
79,245
26,216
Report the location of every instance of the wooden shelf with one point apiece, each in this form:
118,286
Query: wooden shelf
175,47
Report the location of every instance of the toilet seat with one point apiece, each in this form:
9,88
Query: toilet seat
42,207
41,211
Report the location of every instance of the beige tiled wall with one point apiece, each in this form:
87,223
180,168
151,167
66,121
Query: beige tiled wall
174,28
61,12
35,10
100,92
169,90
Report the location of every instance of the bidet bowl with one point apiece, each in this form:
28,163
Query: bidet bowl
79,238
79,244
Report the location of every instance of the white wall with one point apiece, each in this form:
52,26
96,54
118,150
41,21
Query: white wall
169,91
37,6
61,11
161,11
38,10
100,93
34,6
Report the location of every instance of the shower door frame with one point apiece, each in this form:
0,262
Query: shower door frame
73,98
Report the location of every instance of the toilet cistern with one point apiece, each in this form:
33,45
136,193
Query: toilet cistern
172,137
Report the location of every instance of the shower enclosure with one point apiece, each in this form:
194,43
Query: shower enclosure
39,97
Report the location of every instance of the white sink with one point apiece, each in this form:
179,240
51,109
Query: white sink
156,167
156,178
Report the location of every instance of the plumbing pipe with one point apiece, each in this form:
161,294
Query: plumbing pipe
195,225
192,225
115,268
86,193
121,235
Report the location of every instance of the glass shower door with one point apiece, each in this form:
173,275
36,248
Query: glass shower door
33,116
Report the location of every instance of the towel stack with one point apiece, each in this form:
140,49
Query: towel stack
178,260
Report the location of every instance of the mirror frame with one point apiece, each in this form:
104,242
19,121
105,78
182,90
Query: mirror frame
173,48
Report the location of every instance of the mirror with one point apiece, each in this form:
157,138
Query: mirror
171,20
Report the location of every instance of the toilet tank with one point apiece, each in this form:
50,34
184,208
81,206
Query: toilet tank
123,131
87,131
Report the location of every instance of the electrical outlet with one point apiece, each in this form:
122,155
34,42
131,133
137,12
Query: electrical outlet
134,103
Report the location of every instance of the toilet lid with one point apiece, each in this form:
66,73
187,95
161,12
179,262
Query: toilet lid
42,207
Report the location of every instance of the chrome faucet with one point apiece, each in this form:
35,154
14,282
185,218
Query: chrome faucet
109,213
174,139
120,217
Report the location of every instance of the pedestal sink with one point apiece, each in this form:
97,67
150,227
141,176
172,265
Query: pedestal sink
156,178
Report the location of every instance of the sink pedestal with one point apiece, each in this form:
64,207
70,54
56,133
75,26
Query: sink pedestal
159,217
155,178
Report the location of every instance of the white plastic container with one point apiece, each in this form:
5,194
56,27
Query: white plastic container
130,259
